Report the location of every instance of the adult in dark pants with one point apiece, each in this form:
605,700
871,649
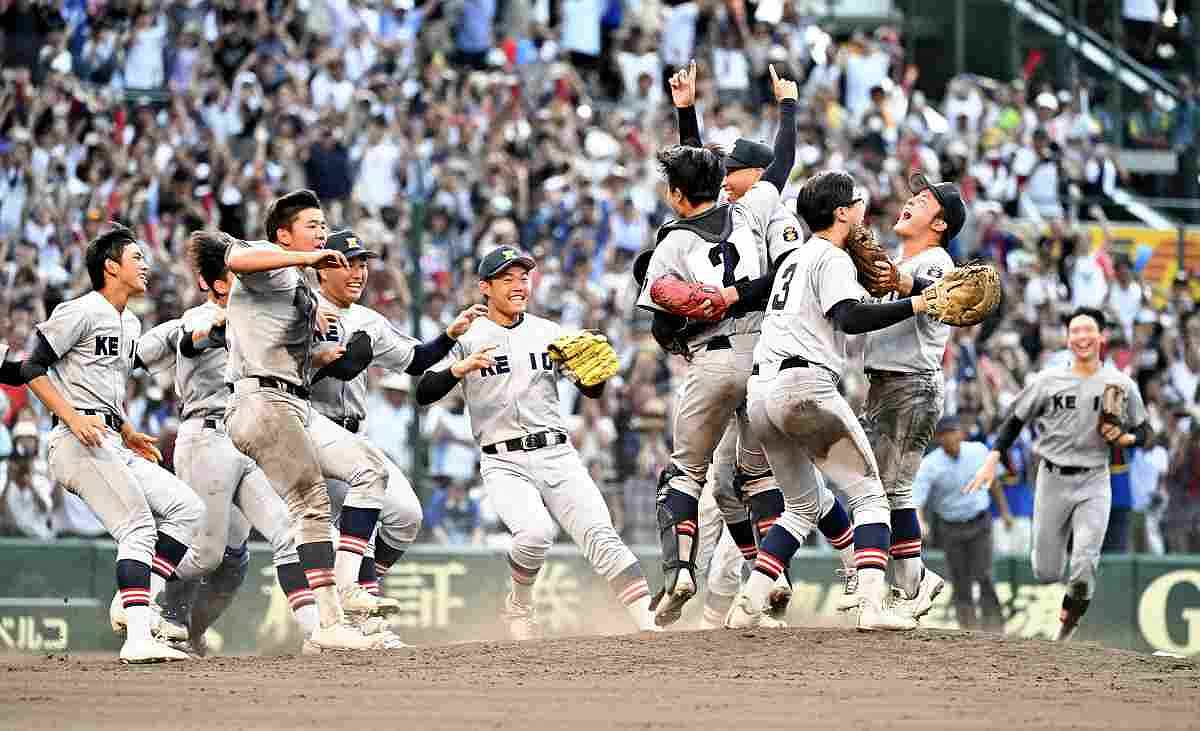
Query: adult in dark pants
964,522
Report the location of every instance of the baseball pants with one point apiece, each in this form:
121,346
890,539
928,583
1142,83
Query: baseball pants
400,517
127,493
901,415
806,425
347,457
718,558
714,386
236,495
1074,508
530,490
968,548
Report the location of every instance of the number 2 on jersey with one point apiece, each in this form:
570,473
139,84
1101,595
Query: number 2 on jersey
781,296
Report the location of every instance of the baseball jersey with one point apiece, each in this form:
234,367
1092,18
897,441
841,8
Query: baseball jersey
270,322
389,348
199,381
1065,410
784,232
696,252
95,348
811,280
519,395
918,343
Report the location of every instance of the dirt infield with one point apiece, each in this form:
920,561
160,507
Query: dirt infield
777,679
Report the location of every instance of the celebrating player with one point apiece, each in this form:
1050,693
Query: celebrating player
1080,411
79,370
533,475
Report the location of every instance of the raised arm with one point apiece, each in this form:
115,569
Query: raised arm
786,93
683,95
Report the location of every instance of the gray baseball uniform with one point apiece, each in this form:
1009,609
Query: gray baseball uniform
344,404
906,396
1074,494
95,348
530,470
225,479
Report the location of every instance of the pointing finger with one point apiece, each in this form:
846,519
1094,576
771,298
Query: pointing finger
774,76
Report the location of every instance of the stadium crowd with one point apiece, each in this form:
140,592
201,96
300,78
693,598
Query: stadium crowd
471,123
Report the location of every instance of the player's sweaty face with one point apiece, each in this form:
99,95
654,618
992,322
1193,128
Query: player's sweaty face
308,231
509,291
917,214
739,181
347,285
1083,338
134,272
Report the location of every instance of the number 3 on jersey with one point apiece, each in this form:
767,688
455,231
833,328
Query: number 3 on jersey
785,287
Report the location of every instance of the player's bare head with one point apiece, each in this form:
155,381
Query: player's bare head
207,250
693,175
115,256
296,221
934,212
505,281
1085,332
829,202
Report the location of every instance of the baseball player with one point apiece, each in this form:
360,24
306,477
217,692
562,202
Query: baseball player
796,411
366,338
531,472
903,364
1075,435
744,167
79,369
272,317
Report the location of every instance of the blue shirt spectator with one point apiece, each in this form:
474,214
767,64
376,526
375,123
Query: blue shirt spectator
940,479
453,516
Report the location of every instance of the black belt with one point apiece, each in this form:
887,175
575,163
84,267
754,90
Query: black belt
528,443
110,420
350,424
720,342
793,362
1067,470
978,516
268,382
896,374
211,423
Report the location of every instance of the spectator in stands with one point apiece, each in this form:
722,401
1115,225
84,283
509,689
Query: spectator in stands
26,498
453,516
390,418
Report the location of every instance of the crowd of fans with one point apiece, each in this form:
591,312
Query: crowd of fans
472,123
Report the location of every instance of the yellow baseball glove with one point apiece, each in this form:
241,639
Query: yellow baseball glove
586,357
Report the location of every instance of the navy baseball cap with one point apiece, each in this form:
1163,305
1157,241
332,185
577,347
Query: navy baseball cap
954,211
948,423
502,258
748,154
347,242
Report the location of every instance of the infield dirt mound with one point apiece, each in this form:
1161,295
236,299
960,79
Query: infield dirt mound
762,679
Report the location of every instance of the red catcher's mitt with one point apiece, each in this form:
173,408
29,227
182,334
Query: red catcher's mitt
692,300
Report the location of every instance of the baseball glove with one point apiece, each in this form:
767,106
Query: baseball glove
692,300
866,253
965,296
1112,405
586,357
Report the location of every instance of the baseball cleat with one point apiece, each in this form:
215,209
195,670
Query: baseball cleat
357,600
340,636
744,615
159,626
918,606
849,597
670,606
145,650
521,620
874,616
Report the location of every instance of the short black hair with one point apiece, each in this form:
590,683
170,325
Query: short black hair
207,251
283,210
1092,312
821,195
107,246
697,172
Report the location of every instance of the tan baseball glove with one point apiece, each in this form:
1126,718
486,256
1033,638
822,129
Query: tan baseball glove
866,253
1112,405
586,357
965,296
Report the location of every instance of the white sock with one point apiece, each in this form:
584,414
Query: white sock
523,593
871,585
907,572
329,608
346,566
758,588
137,622
847,556
157,586
308,618
640,611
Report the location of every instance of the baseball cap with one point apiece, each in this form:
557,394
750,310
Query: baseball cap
748,154
954,212
502,258
948,423
347,242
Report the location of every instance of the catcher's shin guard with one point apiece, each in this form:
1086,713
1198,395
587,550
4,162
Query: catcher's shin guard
217,590
677,522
